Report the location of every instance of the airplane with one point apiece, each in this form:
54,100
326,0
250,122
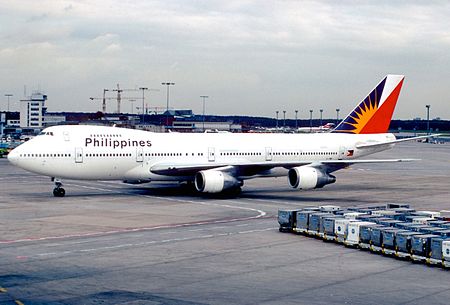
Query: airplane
324,128
214,162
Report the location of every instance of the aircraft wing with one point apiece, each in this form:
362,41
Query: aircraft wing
259,168
380,144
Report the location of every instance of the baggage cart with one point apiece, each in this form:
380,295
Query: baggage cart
421,246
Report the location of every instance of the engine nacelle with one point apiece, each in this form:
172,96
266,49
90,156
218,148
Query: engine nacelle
215,181
307,178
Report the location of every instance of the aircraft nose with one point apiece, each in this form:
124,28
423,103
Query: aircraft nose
13,156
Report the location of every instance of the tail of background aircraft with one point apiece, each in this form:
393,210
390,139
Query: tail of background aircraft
374,113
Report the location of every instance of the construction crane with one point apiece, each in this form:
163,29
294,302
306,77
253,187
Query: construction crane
119,97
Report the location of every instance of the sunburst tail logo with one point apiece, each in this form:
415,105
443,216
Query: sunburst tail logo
374,113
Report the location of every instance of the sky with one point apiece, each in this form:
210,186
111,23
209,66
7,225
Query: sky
251,57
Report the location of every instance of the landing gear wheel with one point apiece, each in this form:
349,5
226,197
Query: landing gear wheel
59,192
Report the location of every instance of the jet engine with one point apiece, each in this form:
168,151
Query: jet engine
307,178
215,181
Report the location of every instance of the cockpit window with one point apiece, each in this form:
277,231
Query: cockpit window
48,133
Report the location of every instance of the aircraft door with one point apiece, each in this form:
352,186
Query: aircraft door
341,152
139,154
78,155
211,154
268,153
66,136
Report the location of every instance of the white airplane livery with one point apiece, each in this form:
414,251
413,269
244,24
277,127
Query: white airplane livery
214,162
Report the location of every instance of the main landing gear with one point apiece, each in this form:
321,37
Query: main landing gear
58,191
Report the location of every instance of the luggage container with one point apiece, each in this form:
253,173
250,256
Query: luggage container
390,222
328,227
353,229
422,220
443,233
367,217
314,223
314,209
430,230
438,223
376,239
430,214
341,228
364,208
322,224
380,219
445,215
446,253
436,255
403,243
384,213
352,215
365,235
302,223
287,220
329,208
389,238
412,226
397,205
421,246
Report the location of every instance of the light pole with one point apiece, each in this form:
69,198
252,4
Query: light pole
296,116
168,84
321,111
337,116
277,117
428,119
284,119
8,95
204,97
310,120
143,101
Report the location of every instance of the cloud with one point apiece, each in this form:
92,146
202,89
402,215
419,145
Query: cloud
254,55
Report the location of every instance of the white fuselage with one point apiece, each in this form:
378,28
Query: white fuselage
110,153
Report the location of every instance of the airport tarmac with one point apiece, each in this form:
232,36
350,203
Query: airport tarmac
111,243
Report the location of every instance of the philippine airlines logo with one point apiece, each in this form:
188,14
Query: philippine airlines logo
364,112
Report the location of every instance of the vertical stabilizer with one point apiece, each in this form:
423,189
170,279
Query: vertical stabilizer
374,113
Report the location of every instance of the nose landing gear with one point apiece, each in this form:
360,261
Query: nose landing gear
58,191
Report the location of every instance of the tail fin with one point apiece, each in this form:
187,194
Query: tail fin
374,113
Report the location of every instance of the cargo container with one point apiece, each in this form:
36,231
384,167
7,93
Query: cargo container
431,214
411,226
363,208
446,253
313,208
389,238
384,213
328,227
438,223
365,235
322,224
287,220
366,217
436,255
302,223
376,239
340,228
430,230
403,243
353,230
422,220
443,233
421,247
390,222
329,208
397,205
352,215
314,223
